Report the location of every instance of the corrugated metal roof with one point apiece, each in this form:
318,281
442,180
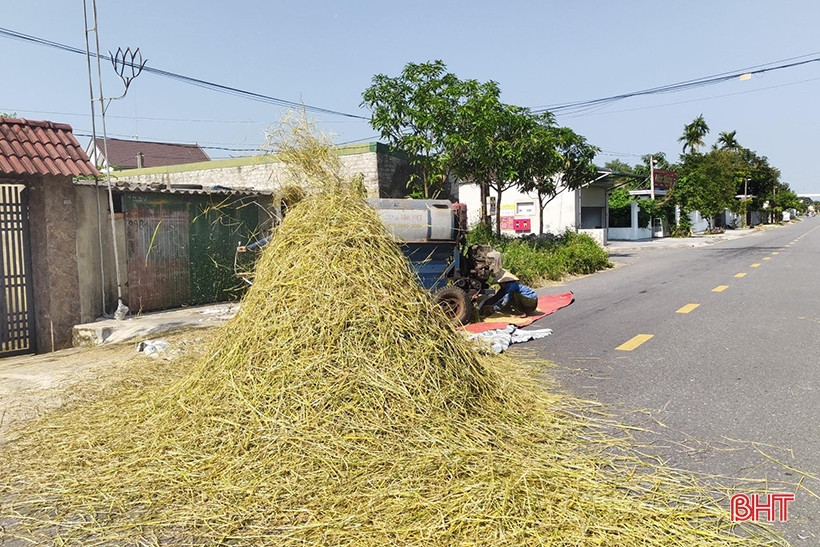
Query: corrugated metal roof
122,153
30,147
120,186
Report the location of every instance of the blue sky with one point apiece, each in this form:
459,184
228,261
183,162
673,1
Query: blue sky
325,54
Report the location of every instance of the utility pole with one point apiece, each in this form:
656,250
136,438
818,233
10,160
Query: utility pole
128,65
652,177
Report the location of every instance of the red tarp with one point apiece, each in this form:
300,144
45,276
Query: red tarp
546,305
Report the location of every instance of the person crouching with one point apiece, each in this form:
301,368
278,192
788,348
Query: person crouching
513,296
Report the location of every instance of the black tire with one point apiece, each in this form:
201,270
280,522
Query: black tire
455,304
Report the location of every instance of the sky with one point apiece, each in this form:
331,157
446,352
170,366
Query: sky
325,53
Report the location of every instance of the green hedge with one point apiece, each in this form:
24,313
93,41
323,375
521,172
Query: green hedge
534,259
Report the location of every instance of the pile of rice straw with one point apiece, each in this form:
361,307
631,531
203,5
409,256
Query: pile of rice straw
339,407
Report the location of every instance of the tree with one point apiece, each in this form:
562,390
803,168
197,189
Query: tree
709,183
618,166
415,112
727,140
693,134
577,166
474,139
505,157
542,163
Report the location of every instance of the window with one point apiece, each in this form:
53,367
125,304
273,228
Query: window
525,208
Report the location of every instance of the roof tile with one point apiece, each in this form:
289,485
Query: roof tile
41,147
28,166
123,153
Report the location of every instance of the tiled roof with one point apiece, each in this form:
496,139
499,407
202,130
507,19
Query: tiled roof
41,148
122,154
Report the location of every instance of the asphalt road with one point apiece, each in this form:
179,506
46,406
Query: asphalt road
729,386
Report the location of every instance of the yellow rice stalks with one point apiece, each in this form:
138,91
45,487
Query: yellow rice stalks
339,407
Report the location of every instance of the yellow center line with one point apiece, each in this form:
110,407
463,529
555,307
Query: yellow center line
633,343
775,253
756,265
767,258
720,288
687,308
741,274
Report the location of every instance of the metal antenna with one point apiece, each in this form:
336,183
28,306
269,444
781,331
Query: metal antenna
121,61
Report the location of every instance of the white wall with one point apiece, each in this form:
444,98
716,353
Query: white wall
559,214
699,224
628,234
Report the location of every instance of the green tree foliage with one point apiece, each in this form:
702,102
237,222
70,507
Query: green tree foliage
450,127
693,134
504,152
709,182
728,141
559,160
416,112
618,166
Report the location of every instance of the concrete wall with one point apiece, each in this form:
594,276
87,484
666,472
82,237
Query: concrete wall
91,229
629,234
600,236
699,224
383,174
559,214
52,213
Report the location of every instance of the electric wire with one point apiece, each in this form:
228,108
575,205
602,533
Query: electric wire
205,84
581,107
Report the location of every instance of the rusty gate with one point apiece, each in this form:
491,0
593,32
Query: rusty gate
156,241
16,294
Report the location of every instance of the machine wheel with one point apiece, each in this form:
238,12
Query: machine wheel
455,304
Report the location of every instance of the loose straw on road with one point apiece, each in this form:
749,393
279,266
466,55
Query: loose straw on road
339,407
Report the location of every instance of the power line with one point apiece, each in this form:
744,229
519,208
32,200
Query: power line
621,154
229,90
587,107
690,100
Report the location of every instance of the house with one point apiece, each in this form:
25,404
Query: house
134,154
38,217
585,209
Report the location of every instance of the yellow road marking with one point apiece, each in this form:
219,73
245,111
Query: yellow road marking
767,258
741,274
775,253
629,345
720,288
687,308
756,265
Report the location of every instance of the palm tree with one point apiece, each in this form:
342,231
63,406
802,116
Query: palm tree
728,141
693,134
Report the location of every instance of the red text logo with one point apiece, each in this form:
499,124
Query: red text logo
771,507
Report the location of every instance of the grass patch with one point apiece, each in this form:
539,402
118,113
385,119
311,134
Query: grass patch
548,257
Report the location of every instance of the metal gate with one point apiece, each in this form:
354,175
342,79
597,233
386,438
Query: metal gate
156,240
16,295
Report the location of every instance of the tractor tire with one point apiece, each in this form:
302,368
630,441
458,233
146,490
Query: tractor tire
455,304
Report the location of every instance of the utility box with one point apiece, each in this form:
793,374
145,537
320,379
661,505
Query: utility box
521,225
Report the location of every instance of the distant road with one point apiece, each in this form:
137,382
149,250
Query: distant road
720,344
